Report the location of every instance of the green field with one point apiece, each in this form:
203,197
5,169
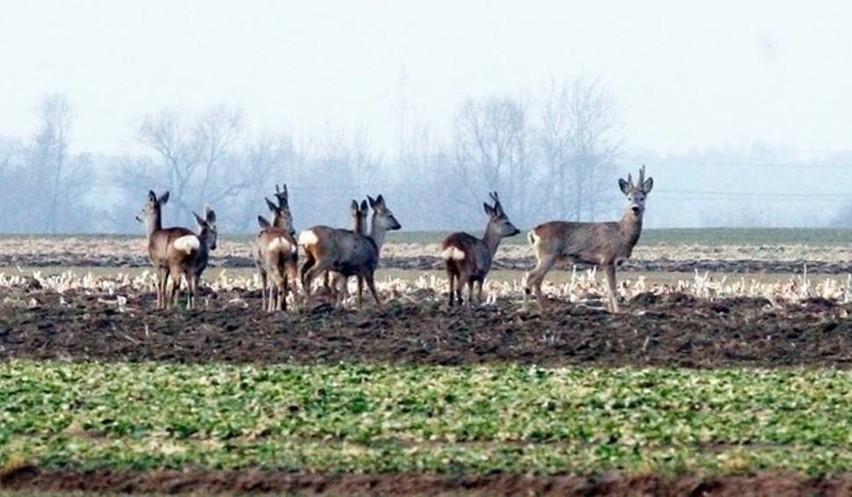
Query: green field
372,419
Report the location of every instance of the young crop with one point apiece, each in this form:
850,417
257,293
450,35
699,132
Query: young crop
382,418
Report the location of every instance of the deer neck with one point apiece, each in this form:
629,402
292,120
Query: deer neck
630,227
377,234
492,240
154,224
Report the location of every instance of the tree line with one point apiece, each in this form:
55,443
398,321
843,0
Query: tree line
551,155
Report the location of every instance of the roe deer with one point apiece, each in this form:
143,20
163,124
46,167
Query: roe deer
337,283
173,251
276,254
607,244
346,252
468,259
207,235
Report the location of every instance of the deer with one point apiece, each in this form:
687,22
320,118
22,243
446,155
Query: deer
174,252
336,282
606,244
468,259
346,252
276,253
208,234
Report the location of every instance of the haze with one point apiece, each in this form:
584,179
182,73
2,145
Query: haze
712,96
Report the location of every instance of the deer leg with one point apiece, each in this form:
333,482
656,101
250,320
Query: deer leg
470,286
284,285
191,279
479,290
281,294
263,304
313,270
360,280
372,286
162,280
305,267
451,280
293,271
171,298
610,283
536,277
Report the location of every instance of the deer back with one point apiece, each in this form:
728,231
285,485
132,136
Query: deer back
349,253
473,255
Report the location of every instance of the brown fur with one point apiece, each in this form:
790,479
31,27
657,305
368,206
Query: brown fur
169,262
468,259
606,245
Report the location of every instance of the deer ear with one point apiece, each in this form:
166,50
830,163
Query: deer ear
380,200
625,186
373,203
488,209
262,222
163,198
364,206
647,185
210,214
354,206
152,196
198,219
272,207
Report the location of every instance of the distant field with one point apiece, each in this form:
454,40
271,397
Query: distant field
819,237
692,236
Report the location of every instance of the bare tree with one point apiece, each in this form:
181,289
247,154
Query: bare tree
49,171
196,157
337,169
490,144
578,141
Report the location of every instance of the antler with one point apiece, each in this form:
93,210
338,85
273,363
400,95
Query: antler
281,194
496,199
641,176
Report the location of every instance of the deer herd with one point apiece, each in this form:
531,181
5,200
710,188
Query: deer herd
179,254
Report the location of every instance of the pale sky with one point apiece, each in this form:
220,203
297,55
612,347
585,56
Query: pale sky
687,74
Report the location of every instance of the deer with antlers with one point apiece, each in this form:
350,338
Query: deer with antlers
176,252
346,252
468,259
276,253
606,245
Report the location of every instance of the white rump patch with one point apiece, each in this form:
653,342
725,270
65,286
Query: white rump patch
307,238
533,238
281,244
187,243
452,253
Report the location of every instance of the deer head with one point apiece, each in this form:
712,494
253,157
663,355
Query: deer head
498,221
636,193
207,226
382,216
281,217
151,211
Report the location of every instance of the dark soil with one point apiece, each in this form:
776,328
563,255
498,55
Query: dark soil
653,330
668,330
211,482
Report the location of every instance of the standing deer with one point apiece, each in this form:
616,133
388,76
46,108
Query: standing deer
173,251
207,235
346,252
607,244
337,283
468,259
276,254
